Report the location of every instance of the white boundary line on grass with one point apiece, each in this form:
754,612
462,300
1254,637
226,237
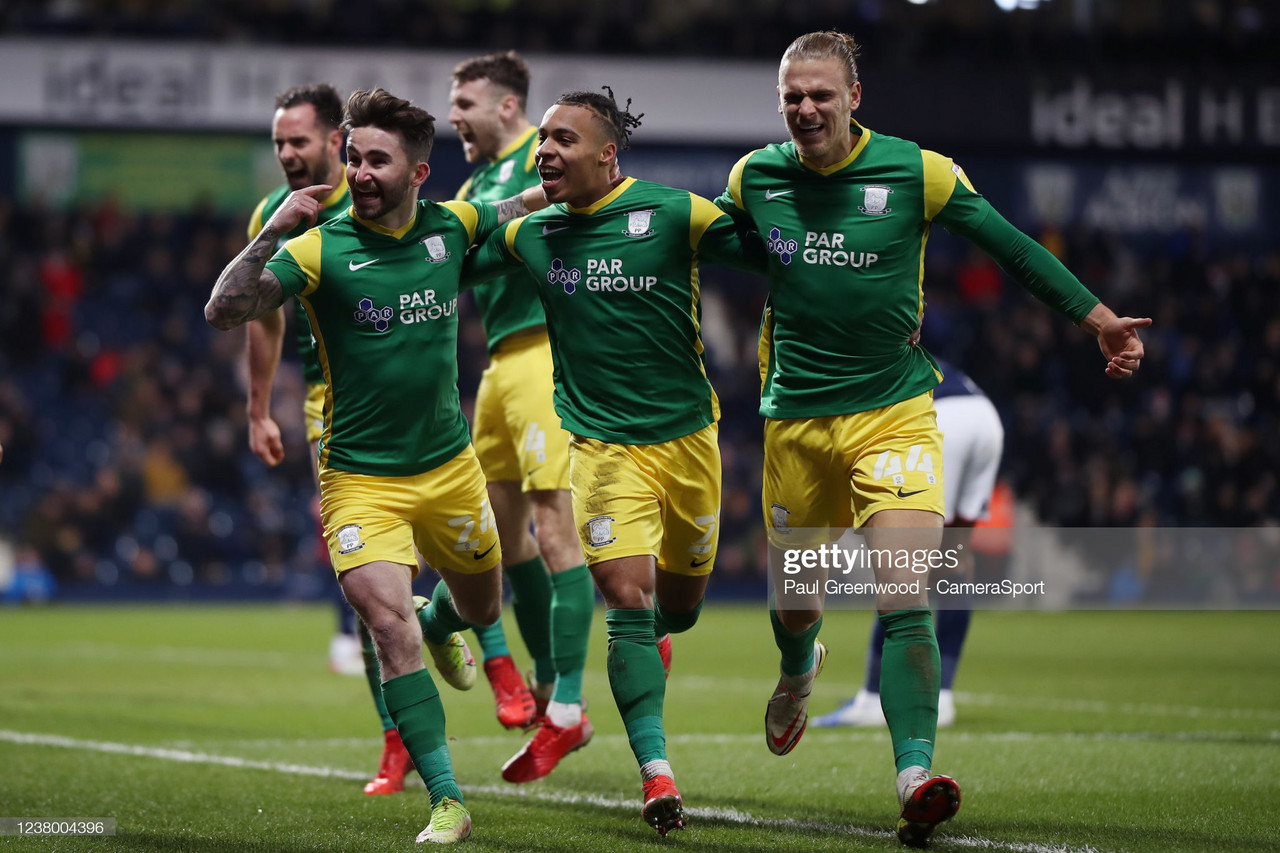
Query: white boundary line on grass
725,815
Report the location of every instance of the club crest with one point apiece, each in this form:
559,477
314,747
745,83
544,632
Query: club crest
506,170
349,539
638,223
875,200
600,531
436,251
781,518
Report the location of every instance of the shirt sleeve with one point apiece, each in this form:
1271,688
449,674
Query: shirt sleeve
297,264
718,239
480,219
494,257
255,221
730,201
952,202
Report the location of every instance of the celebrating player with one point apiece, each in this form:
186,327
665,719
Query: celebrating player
615,263
396,464
522,448
308,140
972,442
850,435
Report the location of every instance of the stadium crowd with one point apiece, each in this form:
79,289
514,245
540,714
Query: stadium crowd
1215,32
126,460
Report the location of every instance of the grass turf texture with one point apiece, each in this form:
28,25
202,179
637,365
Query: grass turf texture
1104,731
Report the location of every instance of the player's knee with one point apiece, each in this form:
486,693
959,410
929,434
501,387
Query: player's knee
481,614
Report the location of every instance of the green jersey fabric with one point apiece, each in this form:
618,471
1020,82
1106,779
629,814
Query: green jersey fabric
619,283
333,206
384,308
507,304
846,268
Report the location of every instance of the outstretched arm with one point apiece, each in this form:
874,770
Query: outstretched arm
245,291
266,340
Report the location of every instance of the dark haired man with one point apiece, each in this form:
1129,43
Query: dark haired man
521,446
396,465
620,256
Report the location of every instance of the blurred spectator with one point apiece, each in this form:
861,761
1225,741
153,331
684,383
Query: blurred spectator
126,459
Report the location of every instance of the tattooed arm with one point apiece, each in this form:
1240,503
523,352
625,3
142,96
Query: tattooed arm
245,291
520,205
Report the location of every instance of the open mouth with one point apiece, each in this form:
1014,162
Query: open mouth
551,176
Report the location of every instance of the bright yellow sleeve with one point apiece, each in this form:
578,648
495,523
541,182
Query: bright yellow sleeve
305,251
465,211
255,221
940,176
701,214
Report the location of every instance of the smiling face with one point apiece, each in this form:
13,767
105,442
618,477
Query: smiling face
478,110
384,183
307,151
575,156
816,99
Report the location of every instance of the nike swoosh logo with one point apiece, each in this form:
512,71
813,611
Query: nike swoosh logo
770,195
353,266
903,494
546,230
780,742
480,555
693,564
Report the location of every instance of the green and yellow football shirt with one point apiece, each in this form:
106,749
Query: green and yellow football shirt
333,205
507,304
619,283
383,307
846,268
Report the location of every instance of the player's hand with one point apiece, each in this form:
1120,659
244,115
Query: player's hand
1118,339
301,206
264,440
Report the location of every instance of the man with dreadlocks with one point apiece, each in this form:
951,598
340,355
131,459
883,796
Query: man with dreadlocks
851,436
621,255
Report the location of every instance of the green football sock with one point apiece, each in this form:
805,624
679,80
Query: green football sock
373,673
439,619
637,680
573,600
909,679
415,705
796,649
493,641
531,600
670,622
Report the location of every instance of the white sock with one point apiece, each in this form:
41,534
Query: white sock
563,715
653,769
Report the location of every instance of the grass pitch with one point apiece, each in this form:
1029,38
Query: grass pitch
207,729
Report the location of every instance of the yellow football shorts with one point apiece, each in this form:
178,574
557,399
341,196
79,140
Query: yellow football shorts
444,512
661,500
517,433
822,475
313,411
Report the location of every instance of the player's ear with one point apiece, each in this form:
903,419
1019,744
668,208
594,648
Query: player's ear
509,106
609,154
336,140
420,174
855,96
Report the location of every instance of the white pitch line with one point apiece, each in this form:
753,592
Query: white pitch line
721,814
